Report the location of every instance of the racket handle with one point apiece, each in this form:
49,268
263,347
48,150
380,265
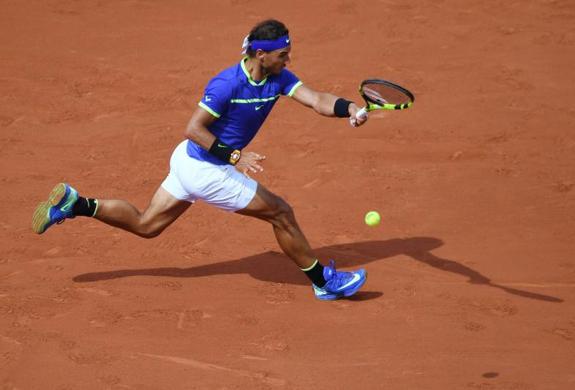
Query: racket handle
360,115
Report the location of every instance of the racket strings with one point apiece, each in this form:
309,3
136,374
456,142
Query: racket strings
374,95
384,94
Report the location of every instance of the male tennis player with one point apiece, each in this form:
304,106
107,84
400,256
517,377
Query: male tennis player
211,164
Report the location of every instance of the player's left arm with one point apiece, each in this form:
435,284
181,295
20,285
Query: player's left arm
323,103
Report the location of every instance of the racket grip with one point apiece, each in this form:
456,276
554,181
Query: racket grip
361,114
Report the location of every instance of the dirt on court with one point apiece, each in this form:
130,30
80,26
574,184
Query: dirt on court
471,273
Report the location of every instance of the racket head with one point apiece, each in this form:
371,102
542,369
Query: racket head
384,95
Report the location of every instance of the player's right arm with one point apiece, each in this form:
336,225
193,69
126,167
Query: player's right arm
213,105
197,131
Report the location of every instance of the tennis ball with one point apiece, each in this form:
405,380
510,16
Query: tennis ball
372,218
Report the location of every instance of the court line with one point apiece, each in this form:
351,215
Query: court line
214,367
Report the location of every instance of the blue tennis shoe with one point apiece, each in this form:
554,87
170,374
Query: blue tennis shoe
56,209
339,284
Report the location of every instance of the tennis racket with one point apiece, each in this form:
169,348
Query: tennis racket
382,95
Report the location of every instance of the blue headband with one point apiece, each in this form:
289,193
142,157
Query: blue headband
269,45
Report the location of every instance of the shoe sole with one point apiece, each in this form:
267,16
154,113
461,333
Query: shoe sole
345,294
41,217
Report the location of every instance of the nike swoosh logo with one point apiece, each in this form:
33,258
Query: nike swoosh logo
69,202
258,107
208,99
355,279
222,146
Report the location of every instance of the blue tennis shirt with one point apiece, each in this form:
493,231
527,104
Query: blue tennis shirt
241,106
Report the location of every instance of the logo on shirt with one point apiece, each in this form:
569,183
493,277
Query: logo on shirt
207,98
287,40
258,107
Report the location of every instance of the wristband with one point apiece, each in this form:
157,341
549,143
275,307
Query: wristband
341,108
225,152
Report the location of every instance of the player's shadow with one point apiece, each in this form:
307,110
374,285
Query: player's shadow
275,267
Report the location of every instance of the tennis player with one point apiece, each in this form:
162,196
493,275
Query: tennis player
211,164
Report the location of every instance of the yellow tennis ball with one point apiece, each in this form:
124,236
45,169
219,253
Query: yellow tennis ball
372,218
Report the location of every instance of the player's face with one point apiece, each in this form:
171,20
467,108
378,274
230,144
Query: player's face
275,61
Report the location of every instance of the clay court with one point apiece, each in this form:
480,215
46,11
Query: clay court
471,273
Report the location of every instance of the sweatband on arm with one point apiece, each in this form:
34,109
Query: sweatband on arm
225,152
341,108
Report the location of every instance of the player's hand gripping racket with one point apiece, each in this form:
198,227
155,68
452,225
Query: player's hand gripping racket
382,95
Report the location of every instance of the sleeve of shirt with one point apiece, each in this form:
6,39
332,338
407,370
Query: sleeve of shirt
216,97
289,83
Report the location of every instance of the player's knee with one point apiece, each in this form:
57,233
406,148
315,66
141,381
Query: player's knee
148,230
283,215
149,234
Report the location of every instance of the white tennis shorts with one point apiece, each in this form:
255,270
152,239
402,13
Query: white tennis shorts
220,185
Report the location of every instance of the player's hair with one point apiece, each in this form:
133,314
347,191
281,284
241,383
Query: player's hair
270,29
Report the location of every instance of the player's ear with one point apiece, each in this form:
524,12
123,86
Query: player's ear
260,55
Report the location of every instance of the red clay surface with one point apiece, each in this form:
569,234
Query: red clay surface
471,274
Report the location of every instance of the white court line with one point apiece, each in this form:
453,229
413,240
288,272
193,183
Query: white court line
214,367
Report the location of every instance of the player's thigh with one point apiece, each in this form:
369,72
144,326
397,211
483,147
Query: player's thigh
221,186
164,208
265,205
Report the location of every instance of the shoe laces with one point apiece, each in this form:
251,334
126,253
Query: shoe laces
337,278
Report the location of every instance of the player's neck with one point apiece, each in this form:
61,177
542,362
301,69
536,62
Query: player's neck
256,71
